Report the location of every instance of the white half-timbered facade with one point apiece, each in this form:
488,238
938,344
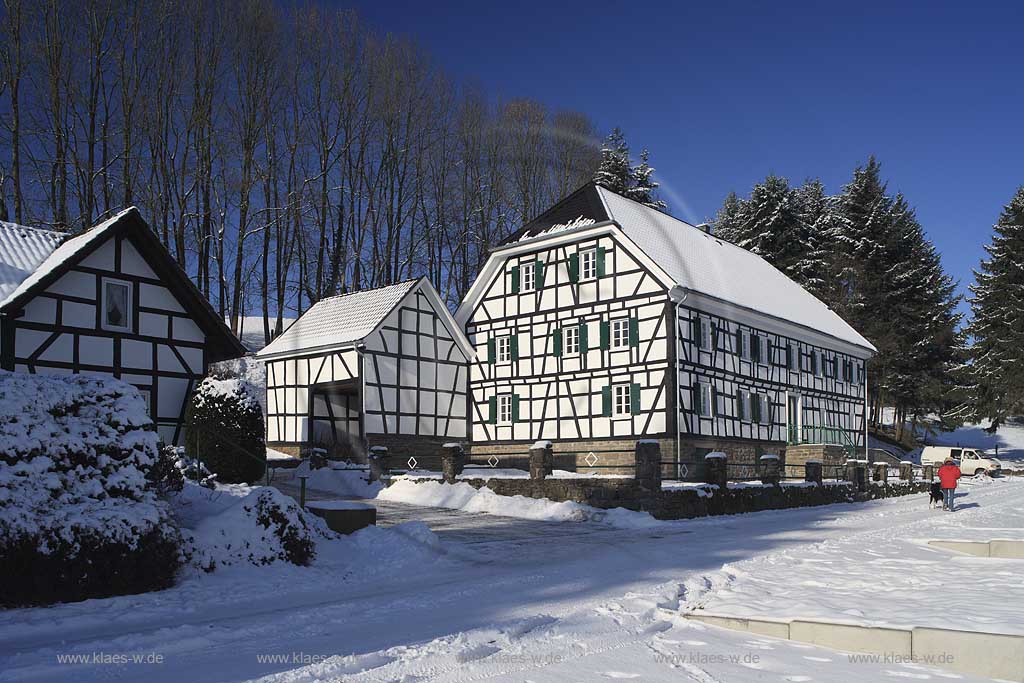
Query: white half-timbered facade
111,302
605,320
382,367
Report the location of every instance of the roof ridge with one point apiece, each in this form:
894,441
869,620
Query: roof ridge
18,226
372,289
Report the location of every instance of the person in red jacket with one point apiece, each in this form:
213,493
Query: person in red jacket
948,474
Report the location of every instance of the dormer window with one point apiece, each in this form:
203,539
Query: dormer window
117,297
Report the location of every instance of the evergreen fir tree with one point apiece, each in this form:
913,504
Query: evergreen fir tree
728,221
643,186
816,211
996,390
615,171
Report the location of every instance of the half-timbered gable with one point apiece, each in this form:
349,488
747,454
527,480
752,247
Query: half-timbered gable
378,367
112,302
606,319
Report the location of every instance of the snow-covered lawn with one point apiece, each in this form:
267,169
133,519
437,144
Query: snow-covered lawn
575,602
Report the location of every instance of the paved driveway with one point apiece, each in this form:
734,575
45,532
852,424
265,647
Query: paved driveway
458,526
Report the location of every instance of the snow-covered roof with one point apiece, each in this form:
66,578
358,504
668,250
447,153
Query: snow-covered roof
59,252
698,261
22,249
339,320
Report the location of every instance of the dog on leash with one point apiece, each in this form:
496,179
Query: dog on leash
935,495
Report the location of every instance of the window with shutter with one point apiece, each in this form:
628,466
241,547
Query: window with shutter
606,401
741,405
755,407
606,335
556,342
755,347
527,277
588,264
634,332
621,400
571,340
705,399
574,267
516,282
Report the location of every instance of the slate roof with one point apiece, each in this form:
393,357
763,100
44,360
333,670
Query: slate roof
339,320
22,249
698,261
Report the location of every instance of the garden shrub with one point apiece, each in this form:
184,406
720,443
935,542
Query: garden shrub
224,430
79,516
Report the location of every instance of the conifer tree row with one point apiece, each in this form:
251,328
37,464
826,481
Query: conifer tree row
618,173
865,254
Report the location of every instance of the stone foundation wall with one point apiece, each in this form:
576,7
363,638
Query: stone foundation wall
829,455
612,456
693,502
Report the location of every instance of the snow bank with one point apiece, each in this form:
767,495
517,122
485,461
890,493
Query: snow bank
461,496
349,481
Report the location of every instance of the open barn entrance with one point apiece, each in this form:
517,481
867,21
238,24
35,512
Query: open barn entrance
337,420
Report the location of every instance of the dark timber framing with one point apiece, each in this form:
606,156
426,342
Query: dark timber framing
56,326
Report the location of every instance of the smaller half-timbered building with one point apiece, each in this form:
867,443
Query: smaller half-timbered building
110,301
380,367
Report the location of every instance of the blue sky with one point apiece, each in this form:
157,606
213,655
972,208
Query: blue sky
724,93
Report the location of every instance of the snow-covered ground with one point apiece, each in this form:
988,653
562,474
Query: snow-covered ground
552,602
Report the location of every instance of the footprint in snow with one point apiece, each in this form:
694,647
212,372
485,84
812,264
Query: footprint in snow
817,659
619,674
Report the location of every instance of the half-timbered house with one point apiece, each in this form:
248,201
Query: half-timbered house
380,367
604,321
110,301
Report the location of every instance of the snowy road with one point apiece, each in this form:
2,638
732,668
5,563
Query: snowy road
511,600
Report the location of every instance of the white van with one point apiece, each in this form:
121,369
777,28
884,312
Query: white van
972,461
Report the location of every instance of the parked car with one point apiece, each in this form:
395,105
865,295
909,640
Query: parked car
972,461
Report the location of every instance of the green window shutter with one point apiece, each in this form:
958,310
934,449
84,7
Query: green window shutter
584,345
492,350
515,279
789,356
755,407
814,363
695,331
634,332
739,342
755,347
600,262
515,408
538,275
513,346
606,401
606,335
714,336
714,400
492,410
634,399
556,342
739,405
574,267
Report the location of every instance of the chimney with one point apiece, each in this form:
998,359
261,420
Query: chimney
706,227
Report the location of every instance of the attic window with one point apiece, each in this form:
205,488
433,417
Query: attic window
117,297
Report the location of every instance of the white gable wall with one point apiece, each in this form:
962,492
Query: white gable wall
162,352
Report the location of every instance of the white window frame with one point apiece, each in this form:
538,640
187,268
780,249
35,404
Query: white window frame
504,409
588,264
571,340
619,333
765,417
127,327
706,339
503,349
743,397
621,400
527,277
706,398
762,339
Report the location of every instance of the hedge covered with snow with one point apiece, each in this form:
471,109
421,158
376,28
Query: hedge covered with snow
78,518
224,430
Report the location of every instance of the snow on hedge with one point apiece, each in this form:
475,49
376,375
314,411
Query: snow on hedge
238,524
462,496
73,455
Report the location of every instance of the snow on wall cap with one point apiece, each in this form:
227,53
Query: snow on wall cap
541,444
769,456
452,444
647,441
715,455
907,462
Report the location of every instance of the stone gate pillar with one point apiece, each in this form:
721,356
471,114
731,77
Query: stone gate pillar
812,471
716,469
378,461
881,472
648,465
906,471
771,468
541,460
453,461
